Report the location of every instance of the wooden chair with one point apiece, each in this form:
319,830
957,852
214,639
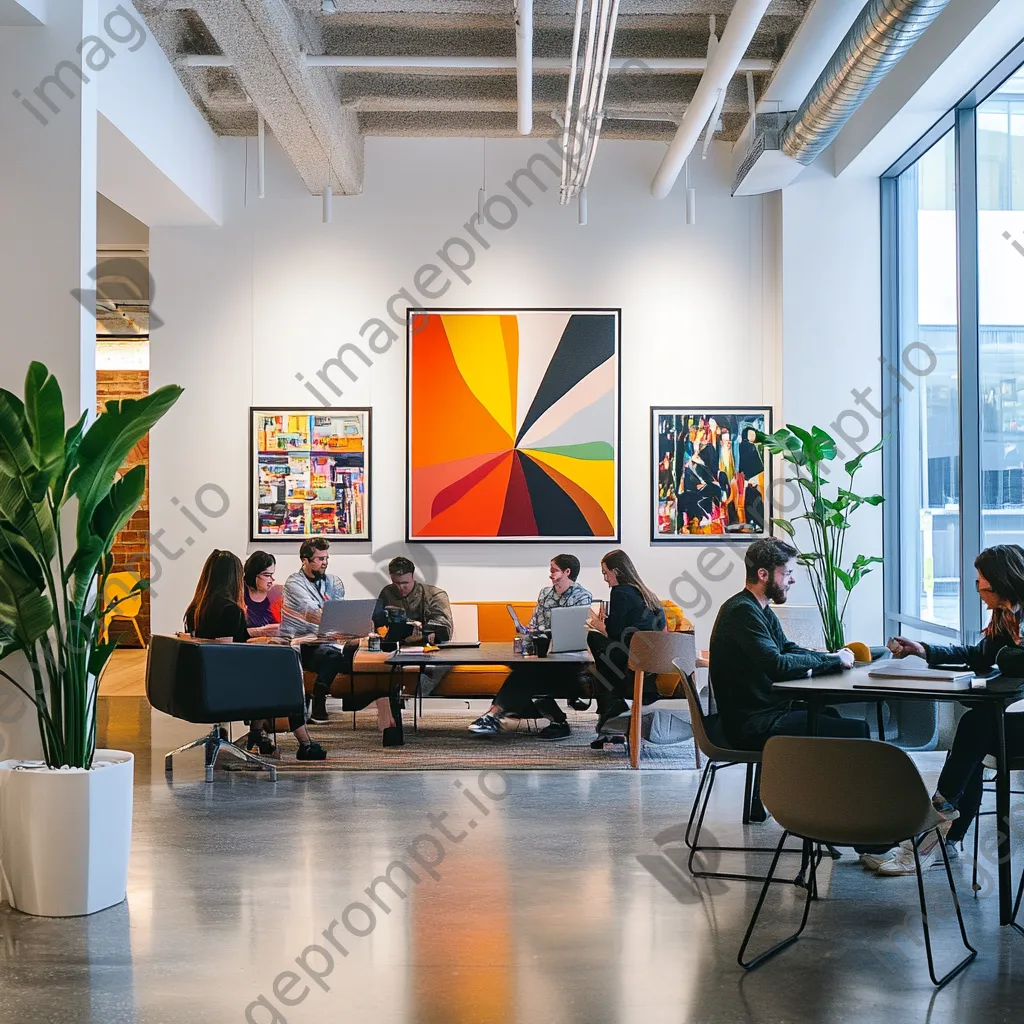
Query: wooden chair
659,652
119,584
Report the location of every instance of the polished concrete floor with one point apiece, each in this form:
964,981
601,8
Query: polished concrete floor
538,897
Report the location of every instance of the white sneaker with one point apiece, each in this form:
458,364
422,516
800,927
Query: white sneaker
927,851
873,861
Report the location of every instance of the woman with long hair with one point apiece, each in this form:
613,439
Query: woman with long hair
217,612
1000,584
259,580
632,607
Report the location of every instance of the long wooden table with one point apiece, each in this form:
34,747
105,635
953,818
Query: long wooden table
839,689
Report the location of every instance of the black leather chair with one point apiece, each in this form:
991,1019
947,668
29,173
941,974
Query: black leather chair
216,684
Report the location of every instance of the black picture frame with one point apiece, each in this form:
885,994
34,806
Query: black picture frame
708,412
615,538
255,536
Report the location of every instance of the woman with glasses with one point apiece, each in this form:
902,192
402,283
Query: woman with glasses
259,580
1000,584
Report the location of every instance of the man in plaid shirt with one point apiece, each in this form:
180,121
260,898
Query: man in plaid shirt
516,693
564,592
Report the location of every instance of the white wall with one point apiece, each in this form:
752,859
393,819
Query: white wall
275,292
831,329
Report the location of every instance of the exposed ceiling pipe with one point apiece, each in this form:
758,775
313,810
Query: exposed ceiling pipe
709,134
585,95
524,64
652,65
881,35
739,31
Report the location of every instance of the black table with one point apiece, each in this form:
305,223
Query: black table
822,690
498,655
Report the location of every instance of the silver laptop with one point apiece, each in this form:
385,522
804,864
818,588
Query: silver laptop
568,629
349,618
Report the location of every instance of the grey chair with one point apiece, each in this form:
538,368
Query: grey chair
848,792
660,652
711,741
217,684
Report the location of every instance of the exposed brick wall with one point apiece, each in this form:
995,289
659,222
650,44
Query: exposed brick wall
133,540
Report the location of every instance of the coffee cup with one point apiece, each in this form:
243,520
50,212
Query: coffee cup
541,642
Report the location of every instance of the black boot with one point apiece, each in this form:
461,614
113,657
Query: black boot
318,716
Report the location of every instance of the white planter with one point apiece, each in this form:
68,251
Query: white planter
65,836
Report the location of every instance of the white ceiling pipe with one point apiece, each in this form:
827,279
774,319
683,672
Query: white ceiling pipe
636,65
739,31
524,64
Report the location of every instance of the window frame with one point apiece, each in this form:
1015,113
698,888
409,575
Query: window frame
963,121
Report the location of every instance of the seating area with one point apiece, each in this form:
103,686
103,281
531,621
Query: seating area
512,512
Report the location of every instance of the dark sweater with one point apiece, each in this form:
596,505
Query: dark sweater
748,653
628,610
219,620
999,651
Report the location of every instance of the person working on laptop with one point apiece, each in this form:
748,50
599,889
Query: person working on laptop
424,609
749,652
217,612
632,607
516,694
1000,585
305,594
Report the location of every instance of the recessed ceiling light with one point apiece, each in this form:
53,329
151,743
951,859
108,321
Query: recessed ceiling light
329,7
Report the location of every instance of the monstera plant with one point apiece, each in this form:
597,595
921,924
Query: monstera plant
50,608
827,519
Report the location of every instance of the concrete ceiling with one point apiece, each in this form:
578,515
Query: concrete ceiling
321,114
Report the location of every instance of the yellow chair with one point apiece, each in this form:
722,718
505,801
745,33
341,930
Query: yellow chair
118,584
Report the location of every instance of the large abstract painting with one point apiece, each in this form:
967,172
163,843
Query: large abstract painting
513,425
710,478
310,473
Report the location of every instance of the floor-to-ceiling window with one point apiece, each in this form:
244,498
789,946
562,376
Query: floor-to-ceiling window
1001,310
953,228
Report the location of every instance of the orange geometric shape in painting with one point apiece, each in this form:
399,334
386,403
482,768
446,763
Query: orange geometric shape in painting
447,421
510,332
478,512
429,481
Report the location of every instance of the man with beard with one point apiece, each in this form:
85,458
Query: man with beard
749,652
305,594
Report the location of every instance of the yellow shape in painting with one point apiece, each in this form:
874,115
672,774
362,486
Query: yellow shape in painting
595,476
478,345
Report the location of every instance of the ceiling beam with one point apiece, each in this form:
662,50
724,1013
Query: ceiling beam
264,43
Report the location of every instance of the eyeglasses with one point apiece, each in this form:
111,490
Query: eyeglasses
265,575
982,590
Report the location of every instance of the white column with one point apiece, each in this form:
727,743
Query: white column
47,238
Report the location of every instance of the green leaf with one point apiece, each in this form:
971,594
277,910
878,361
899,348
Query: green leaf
807,557
44,415
107,443
21,556
72,441
99,656
874,499
804,436
25,611
855,463
786,526
15,450
120,504
825,442
844,578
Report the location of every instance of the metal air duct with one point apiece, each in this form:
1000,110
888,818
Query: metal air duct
883,32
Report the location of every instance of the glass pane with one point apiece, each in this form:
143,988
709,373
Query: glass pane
929,406
1001,307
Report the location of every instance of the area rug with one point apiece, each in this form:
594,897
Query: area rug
442,742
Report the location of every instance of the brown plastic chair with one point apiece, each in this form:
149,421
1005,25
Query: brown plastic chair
708,735
848,792
657,652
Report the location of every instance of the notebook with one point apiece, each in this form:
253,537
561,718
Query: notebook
912,677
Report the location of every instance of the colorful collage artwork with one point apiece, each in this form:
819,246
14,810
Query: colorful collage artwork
513,425
710,479
311,473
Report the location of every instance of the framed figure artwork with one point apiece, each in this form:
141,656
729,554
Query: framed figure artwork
709,479
310,474
513,425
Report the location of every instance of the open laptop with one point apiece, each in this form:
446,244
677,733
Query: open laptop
568,629
348,618
520,628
